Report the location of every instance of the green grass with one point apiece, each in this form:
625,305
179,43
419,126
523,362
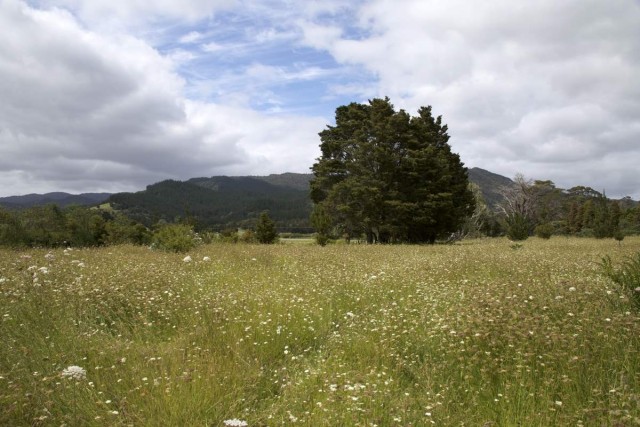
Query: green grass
471,334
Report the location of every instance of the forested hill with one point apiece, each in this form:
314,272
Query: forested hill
227,202
222,202
57,198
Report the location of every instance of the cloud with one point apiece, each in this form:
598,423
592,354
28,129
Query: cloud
99,13
521,85
81,108
121,93
191,37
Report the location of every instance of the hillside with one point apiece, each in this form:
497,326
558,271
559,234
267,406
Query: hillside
57,198
227,202
490,184
218,202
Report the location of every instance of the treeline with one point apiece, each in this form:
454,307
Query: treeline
527,208
52,226
539,207
79,226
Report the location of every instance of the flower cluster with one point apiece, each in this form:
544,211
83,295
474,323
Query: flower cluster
74,372
234,422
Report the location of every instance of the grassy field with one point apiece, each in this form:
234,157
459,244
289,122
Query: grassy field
482,333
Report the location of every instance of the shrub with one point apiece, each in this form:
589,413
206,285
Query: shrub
247,236
321,239
627,276
517,227
175,238
544,231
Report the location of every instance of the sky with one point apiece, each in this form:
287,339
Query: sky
114,95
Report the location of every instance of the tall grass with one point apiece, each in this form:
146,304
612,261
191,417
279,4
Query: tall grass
627,275
352,335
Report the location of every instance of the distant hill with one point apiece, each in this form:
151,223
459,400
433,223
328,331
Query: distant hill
221,201
490,184
226,202
58,198
299,181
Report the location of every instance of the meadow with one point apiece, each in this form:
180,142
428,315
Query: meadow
479,333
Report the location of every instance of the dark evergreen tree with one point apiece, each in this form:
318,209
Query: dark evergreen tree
266,229
588,214
390,176
615,214
321,221
574,218
604,223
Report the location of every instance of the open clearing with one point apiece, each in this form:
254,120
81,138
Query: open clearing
477,333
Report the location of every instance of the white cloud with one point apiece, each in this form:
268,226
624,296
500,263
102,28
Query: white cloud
99,13
521,84
212,47
191,37
117,94
97,113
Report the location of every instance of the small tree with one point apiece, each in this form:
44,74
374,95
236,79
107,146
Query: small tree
266,229
517,207
175,238
321,221
517,227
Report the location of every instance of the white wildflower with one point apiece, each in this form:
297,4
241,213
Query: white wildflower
206,259
75,372
234,422
187,259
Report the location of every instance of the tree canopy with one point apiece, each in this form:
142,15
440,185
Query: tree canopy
390,176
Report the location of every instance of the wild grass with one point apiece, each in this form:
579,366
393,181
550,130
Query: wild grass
474,334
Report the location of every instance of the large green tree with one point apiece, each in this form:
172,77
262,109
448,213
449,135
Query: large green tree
390,176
